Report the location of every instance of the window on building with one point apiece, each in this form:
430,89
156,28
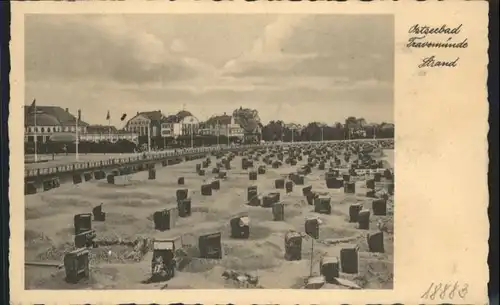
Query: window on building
48,129
30,139
42,129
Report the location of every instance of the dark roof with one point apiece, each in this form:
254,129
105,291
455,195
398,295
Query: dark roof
101,129
64,117
387,126
172,119
184,113
219,120
177,118
153,115
42,119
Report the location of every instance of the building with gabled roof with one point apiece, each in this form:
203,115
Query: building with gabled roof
222,125
50,120
104,133
63,116
220,120
180,124
146,123
101,129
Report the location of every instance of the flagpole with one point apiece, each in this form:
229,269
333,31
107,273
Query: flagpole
218,133
109,127
77,140
191,129
149,139
36,137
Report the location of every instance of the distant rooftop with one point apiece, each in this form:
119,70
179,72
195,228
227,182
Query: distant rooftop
50,116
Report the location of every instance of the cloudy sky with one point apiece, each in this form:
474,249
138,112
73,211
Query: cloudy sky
297,68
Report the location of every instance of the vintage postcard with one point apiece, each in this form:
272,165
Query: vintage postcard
321,152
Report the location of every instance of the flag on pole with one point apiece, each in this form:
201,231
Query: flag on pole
32,107
108,117
78,119
32,110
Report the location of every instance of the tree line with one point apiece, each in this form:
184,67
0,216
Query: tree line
352,128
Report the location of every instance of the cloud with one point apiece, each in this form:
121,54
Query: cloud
267,49
177,46
356,47
102,48
295,68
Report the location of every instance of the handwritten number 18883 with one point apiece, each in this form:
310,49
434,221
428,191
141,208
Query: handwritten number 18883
443,291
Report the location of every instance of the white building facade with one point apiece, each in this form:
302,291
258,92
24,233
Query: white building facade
223,126
180,127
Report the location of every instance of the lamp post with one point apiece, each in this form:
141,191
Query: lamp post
218,133
192,136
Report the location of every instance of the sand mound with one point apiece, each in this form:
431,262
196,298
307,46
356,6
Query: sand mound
36,245
34,236
37,213
134,202
266,214
108,251
130,194
65,233
375,275
123,233
386,224
199,265
209,214
121,251
238,257
250,258
121,219
200,210
259,232
66,202
336,233
55,252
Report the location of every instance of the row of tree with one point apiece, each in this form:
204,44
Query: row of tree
353,128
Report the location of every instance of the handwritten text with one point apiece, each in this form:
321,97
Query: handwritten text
436,37
446,291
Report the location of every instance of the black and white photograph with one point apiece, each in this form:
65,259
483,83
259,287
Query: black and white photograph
209,151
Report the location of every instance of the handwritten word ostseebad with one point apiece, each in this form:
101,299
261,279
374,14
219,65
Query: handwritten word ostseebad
420,40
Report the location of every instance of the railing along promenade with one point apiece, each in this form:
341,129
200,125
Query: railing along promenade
158,156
